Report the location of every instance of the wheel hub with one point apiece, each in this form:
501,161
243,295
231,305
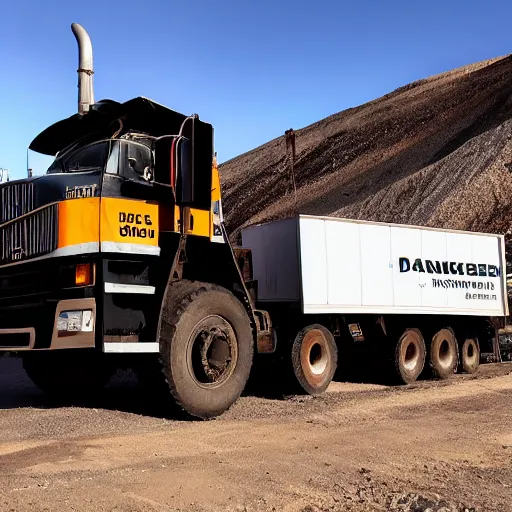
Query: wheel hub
216,360
411,357
213,351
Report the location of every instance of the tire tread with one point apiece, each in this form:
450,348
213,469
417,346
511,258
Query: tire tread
179,297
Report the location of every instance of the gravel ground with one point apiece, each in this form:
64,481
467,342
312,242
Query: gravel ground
432,446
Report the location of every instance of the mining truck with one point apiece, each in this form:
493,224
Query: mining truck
118,253
118,256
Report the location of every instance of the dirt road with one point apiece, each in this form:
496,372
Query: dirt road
432,446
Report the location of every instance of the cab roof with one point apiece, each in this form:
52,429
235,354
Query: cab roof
139,114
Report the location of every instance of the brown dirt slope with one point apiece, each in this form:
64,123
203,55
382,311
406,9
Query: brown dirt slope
437,152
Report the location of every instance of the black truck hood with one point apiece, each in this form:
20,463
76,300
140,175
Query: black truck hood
139,114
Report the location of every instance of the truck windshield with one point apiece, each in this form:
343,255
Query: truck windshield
87,159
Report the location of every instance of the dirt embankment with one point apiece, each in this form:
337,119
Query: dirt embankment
437,152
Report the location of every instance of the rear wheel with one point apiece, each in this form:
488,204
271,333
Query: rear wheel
470,355
314,358
206,346
443,354
410,355
67,374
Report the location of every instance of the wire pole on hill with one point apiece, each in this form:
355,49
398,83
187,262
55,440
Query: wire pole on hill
290,145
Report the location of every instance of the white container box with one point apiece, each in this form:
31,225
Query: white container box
334,265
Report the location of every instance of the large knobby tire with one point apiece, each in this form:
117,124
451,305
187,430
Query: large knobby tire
68,374
410,355
206,347
443,354
314,358
470,355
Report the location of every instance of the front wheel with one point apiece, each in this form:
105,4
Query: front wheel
206,347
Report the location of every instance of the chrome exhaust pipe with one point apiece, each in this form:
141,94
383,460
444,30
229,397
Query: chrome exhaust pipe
85,69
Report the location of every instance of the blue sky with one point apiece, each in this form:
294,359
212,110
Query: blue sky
252,69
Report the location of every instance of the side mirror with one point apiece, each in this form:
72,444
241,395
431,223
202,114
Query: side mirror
185,163
182,165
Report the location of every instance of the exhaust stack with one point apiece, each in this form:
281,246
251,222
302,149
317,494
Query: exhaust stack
85,70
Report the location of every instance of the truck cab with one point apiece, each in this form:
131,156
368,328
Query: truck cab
87,237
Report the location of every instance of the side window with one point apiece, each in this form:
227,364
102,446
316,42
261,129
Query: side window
217,219
113,160
92,158
134,159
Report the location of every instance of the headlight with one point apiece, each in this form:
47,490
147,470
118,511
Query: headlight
75,321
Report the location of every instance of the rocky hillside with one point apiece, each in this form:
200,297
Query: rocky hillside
437,152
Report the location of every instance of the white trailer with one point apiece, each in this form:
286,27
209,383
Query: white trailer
417,295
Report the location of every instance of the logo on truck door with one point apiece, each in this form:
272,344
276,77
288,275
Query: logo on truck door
136,225
129,221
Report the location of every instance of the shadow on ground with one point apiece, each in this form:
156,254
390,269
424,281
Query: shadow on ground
123,392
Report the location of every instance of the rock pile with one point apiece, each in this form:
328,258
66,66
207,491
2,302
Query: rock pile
437,152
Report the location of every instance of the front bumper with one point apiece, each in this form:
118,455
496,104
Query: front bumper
32,296
27,338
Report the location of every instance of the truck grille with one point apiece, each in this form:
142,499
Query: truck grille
30,237
16,200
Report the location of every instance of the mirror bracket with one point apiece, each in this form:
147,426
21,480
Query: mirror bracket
148,174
